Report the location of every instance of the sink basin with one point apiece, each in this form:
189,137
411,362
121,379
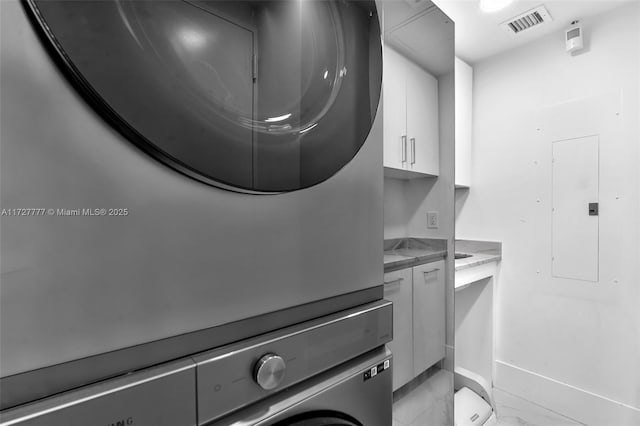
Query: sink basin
461,255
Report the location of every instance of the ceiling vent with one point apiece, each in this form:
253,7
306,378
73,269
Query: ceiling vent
528,19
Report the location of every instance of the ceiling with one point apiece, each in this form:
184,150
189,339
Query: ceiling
479,35
420,32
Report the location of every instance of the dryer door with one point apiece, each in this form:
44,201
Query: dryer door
255,96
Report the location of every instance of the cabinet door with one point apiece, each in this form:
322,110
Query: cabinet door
422,121
395,109
398,289
428,315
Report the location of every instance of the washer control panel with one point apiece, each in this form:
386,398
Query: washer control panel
237,375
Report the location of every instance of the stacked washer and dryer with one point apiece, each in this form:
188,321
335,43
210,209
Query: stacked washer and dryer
192,214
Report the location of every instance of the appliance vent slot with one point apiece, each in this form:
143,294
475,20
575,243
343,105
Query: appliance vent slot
526,20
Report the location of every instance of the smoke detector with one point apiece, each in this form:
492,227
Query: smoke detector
526,20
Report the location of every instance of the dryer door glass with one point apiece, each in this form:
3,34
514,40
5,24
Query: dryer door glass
257,96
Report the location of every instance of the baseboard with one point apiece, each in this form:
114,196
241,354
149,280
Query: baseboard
570,401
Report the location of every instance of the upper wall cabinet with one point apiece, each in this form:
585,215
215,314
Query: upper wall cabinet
464,122
411,137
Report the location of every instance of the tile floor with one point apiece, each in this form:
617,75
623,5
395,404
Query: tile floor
426,401
515,411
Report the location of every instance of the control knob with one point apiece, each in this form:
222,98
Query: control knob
269,371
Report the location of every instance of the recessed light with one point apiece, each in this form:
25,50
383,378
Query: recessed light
489,6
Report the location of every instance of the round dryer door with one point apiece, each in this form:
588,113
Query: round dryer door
322,418
254,96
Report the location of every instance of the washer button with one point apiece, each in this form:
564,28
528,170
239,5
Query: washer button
269,371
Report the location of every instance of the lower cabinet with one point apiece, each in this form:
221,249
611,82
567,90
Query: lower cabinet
428,315
418,319
398,289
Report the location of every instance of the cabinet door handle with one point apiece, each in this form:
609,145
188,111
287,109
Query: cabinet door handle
403,146
393,283
413,150
431,271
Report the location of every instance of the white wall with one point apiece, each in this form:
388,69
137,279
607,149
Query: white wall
395,210
572,346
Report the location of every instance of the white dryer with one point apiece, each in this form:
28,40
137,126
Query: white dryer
180,175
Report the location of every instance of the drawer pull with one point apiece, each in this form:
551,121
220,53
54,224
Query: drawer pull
431,271
393,283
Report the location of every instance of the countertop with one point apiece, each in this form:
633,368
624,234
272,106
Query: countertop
402,253
481,252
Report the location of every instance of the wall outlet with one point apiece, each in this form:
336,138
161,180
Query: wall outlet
432,220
